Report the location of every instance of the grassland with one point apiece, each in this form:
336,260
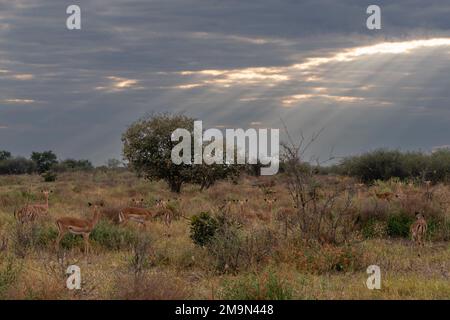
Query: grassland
160,262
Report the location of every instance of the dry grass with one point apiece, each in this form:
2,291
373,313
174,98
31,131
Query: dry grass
277,264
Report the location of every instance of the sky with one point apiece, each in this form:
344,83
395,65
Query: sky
310,64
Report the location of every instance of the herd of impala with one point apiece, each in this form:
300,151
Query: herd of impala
84,227
139,214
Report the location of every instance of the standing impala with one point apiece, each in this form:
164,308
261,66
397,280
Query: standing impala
418,229
32,211
76,226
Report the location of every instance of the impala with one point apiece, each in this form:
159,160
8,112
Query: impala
241,203
270,203
31,211
163,209
418,229
387,196
138,203
79,226
140,214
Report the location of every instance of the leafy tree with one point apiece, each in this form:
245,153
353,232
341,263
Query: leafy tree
148,148
44,160
17,165
206,175
5,155
73,165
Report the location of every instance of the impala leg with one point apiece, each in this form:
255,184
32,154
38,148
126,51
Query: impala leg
86,243
58,239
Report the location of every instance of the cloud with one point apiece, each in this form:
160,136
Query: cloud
18,101
312,63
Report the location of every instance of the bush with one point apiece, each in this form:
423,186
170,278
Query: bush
267,286
105,234
141,251
73,165
45,237
113,237
226,245
398,225
203,228
49,176
386,164
17,165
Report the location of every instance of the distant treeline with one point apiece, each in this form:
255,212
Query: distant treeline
39,162
384,164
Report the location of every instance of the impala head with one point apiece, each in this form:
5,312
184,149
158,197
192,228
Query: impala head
163,203
419,216
243,201
96,205
138,202
46,193
398,196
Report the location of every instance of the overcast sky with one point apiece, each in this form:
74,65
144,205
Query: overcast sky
230,63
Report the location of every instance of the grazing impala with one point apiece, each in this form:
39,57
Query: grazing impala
139,214
76,226
418,229
387,196
32,211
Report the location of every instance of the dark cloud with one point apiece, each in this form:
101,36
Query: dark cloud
76,91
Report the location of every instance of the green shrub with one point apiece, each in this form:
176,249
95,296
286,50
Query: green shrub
46,235
203,228
49,176
398,225
384,164
105,234
268,286
114,237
